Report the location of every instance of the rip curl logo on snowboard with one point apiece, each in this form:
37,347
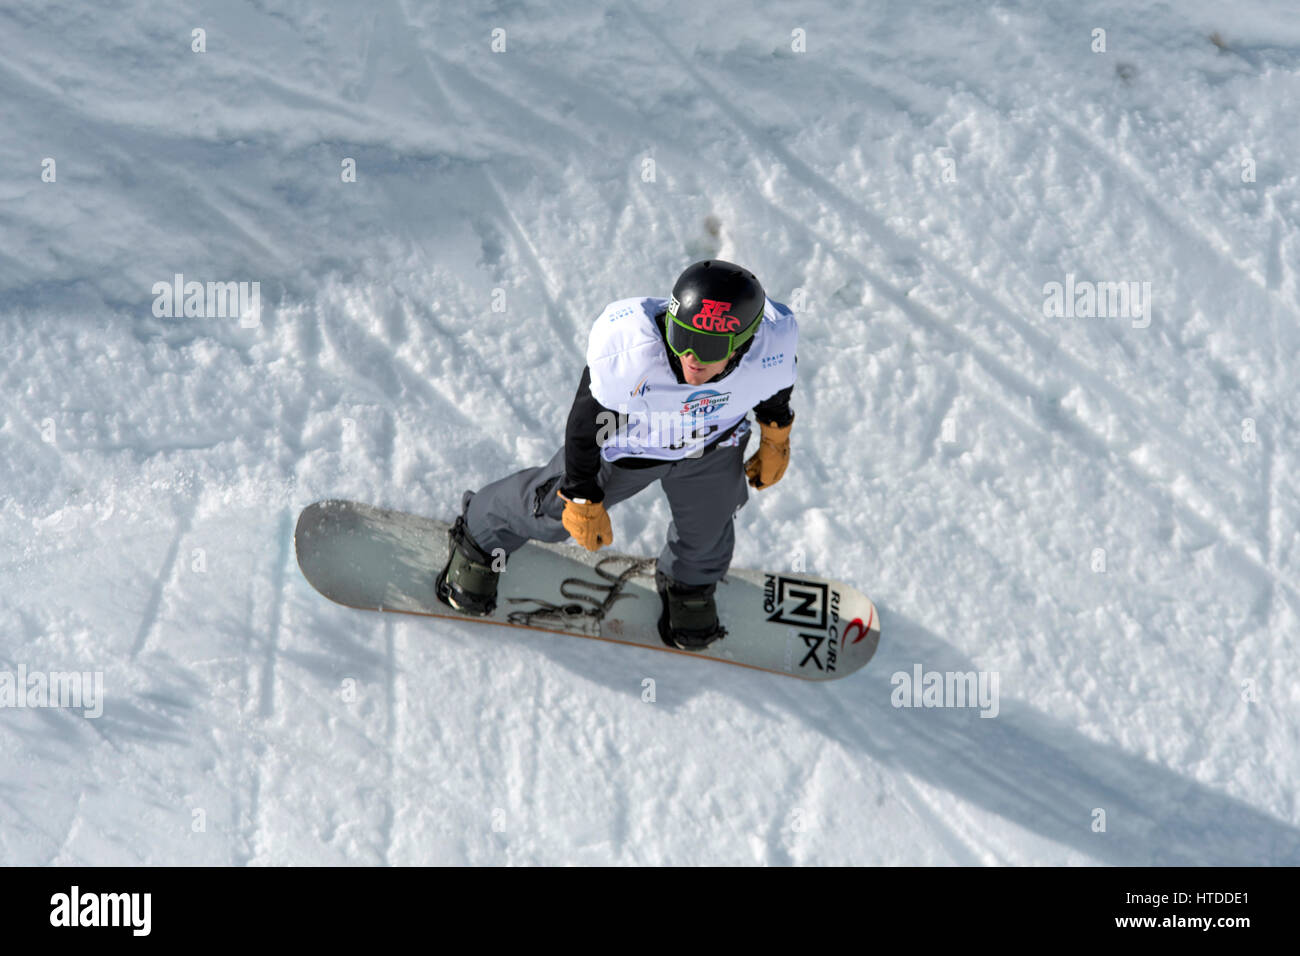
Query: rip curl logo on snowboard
814,608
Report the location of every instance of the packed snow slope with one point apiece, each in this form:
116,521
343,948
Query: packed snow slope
1099,512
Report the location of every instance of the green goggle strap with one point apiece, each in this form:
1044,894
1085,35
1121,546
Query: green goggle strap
737,338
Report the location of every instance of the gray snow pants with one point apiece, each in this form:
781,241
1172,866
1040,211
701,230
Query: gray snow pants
704,494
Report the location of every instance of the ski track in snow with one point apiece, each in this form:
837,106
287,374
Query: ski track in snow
158,465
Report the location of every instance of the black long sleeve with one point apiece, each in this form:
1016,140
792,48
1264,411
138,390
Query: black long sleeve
775,410
581,450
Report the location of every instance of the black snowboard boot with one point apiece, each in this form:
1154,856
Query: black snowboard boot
689,620
468,582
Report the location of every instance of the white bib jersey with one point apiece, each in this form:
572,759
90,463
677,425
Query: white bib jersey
667,420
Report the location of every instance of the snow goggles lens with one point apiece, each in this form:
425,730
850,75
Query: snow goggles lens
708,347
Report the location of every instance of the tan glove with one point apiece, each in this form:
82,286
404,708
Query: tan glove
766,466
588,523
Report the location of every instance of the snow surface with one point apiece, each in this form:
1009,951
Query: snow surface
958,455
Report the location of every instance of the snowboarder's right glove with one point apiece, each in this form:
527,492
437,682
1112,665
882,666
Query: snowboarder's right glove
588,522
766,466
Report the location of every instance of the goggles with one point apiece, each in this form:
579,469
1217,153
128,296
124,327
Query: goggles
708,347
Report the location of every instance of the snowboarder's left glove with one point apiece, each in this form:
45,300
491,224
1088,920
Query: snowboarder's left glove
588,522
768,464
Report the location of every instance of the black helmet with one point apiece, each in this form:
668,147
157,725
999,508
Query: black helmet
715,309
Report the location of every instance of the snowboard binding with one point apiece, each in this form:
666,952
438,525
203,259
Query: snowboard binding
467,582
689,617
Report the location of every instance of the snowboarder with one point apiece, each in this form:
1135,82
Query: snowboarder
664,396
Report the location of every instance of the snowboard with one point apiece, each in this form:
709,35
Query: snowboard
787,623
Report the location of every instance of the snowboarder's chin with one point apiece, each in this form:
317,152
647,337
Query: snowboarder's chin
699,374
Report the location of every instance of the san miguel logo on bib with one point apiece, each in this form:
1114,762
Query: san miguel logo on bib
712,317
704,403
